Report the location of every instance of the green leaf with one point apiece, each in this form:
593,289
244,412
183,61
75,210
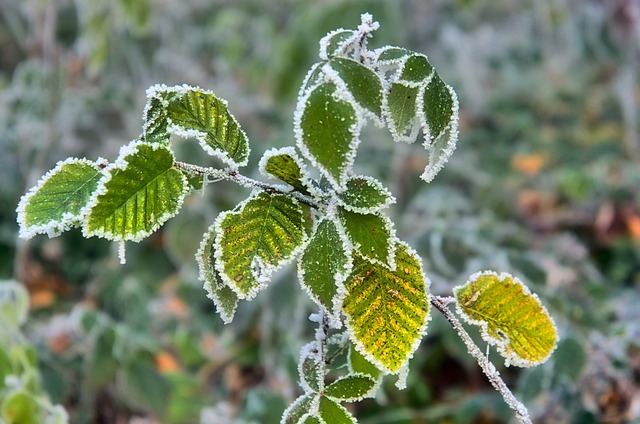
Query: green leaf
21,407
391,54
510,317
143,386
142,191
285,165
569,359
310,369
387,309
324,265
364,194
225,299
56,202
299,408
351,388
327,131
401,112
154,116
362,83
260,235
334,413
438,103
312,419
416,69
101,364
14,304
336,43
371,235
440,124
358,364
197,113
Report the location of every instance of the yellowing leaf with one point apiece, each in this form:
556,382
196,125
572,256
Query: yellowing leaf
510,316
387,309
254,240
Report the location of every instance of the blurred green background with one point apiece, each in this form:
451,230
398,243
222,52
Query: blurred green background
544,185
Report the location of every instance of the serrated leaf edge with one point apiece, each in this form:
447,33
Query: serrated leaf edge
180,90
333,76
339,95
314,406
390,199
393,242
120,164
450,132
207,284
53,227
335,312
483,325
310,351
289,151
369,394
422,330
266,269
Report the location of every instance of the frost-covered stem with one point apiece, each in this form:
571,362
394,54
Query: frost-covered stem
440,303
215,174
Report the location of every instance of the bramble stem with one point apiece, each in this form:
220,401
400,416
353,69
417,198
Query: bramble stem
440,303
215,174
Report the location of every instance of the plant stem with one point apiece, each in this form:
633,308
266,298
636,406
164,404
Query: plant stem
440,303
215,174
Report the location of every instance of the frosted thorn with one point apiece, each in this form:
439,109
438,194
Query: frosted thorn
121,252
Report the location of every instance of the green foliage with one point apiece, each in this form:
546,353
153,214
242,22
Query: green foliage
22,398
369,285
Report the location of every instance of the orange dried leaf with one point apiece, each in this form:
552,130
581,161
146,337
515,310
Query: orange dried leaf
166,363
529,164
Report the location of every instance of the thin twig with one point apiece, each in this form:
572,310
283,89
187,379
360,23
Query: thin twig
232,175
440,303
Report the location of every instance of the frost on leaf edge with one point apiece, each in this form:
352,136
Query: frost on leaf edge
334,312
369,394
393,240
180,90
120,164
288,151
422,331
510,359
314,400
206,243
53,227
268,269
390,198
449,136
340,94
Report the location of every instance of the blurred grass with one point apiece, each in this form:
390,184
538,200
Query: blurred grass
544,185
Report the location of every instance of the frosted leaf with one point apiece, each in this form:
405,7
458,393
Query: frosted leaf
324,265
224,298
327,130
140,191
387,310
510,317
371,234
337,43
259,236
365,195
57,202
285,165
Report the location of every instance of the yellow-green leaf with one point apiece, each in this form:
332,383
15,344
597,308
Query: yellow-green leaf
387,309
256,238
510,316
